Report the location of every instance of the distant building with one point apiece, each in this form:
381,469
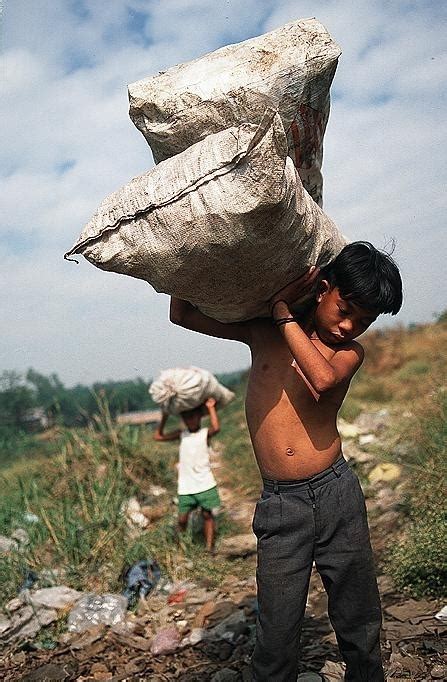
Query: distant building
138,418
36,419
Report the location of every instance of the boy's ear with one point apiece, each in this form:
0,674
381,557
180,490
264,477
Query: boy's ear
323,289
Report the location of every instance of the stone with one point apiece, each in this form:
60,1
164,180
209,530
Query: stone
194,637
439,672
25,623
386,471
347,430
14,604
165,641
5,624
333,671
21,536
228,629
58,597
7,545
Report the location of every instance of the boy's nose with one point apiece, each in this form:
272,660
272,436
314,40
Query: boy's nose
346,326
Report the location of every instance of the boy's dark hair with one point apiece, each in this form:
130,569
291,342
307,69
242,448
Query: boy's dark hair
192,411
366,276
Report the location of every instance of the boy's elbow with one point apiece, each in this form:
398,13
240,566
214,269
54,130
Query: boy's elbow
325,383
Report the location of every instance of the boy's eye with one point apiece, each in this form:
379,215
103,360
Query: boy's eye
343,311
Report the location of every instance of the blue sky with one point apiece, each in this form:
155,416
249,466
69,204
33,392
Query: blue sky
67,142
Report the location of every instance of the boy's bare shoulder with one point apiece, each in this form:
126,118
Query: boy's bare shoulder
352,350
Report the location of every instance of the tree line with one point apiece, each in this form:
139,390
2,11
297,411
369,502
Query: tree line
20,394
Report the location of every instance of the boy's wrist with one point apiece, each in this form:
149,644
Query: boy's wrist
279,309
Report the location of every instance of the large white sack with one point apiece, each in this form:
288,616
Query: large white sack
224,224
183,388
289,69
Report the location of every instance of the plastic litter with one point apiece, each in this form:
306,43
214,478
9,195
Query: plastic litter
29,517
94,609
30,577
442,614
140,579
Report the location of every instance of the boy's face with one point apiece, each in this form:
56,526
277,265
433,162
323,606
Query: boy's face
338,320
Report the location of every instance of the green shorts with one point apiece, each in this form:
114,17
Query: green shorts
208,500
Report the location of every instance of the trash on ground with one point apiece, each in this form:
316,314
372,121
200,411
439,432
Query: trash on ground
93,609
140,579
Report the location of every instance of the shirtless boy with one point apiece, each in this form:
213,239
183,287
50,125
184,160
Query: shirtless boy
312,508
196,485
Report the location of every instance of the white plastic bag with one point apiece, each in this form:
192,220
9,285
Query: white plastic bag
289,69
183,388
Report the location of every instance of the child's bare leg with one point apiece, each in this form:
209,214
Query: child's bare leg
183,521
209,529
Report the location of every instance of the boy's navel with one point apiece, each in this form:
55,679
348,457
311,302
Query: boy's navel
290,452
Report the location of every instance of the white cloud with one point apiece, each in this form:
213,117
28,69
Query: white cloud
68,141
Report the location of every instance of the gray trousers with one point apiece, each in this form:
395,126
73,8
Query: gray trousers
323,520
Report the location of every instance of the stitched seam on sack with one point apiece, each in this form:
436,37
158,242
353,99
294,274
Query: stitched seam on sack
221,170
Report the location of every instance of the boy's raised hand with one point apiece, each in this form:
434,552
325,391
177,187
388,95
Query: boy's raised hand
210,402
298,290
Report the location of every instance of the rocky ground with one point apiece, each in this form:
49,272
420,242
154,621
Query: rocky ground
185,631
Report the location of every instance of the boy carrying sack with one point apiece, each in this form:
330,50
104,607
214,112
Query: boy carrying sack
312,508
196,483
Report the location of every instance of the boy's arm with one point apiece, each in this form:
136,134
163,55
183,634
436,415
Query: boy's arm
214,419
322,374
186,315
159,433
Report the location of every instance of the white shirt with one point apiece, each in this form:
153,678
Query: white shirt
194,470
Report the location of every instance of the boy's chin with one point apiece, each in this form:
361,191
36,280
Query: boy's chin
332,339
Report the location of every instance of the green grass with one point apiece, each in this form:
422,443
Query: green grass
418,563
78,496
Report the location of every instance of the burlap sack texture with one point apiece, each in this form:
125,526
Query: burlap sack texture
289,70
224,224
183,388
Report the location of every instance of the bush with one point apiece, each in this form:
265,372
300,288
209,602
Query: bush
418,564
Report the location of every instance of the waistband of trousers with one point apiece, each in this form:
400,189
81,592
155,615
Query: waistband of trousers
335,471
